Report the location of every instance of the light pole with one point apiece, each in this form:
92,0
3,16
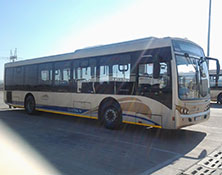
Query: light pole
208,41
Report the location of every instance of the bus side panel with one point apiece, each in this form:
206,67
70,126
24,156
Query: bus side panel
16,98
135,110
55,101
214,94
5,92
141,110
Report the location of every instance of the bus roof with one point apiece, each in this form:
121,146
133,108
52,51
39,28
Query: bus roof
122,47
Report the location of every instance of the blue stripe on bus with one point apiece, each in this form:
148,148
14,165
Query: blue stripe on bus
18,103
63,109
79,111
134,116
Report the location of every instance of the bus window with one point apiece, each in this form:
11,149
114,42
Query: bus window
9,78
62,73
220,81
86,76
121,72
146,70
212,81
66,74
18,77
146,73
31,76
45,74
115,75
164,75
86,71
104,73
146,80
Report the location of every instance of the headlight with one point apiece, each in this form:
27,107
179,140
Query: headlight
182,110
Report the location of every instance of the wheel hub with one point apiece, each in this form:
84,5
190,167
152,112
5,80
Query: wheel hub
110,115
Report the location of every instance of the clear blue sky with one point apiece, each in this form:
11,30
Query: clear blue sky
47,27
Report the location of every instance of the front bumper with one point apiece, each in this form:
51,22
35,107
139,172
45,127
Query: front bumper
191,119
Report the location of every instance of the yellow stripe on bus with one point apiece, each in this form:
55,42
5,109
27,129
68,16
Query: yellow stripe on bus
17,106
85,116
142,124
64,113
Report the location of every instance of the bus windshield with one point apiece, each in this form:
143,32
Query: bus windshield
193,78
186,47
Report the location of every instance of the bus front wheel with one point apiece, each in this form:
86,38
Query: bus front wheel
111,117
30,104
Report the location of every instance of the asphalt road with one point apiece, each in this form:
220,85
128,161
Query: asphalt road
72,145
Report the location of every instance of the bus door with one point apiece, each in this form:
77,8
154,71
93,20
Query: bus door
154,82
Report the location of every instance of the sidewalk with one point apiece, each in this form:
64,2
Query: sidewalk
209,165
212,164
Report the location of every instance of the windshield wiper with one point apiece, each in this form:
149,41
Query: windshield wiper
186,55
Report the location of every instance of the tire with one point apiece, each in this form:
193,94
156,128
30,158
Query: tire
111,116
30,105
219,99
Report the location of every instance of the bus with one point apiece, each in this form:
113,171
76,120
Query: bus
154,82
216,86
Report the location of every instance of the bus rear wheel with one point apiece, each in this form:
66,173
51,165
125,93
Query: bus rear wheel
111,117
219,99
30,105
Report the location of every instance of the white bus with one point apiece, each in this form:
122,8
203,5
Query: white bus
156,82
216,86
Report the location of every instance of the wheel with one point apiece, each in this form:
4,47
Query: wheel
219,99
111,116
30,105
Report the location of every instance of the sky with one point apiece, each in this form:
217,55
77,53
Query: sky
49,27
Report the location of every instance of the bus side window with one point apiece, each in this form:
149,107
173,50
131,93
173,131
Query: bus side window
62,73
45,75
212,81
84,71
146,70
146,80
220,81
31,77
164,75
86,75
9,78
146,73
18,77
104,73
121,72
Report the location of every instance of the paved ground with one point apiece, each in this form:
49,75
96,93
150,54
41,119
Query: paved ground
69,145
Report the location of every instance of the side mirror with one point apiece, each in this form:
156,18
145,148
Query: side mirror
217,66
217,63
